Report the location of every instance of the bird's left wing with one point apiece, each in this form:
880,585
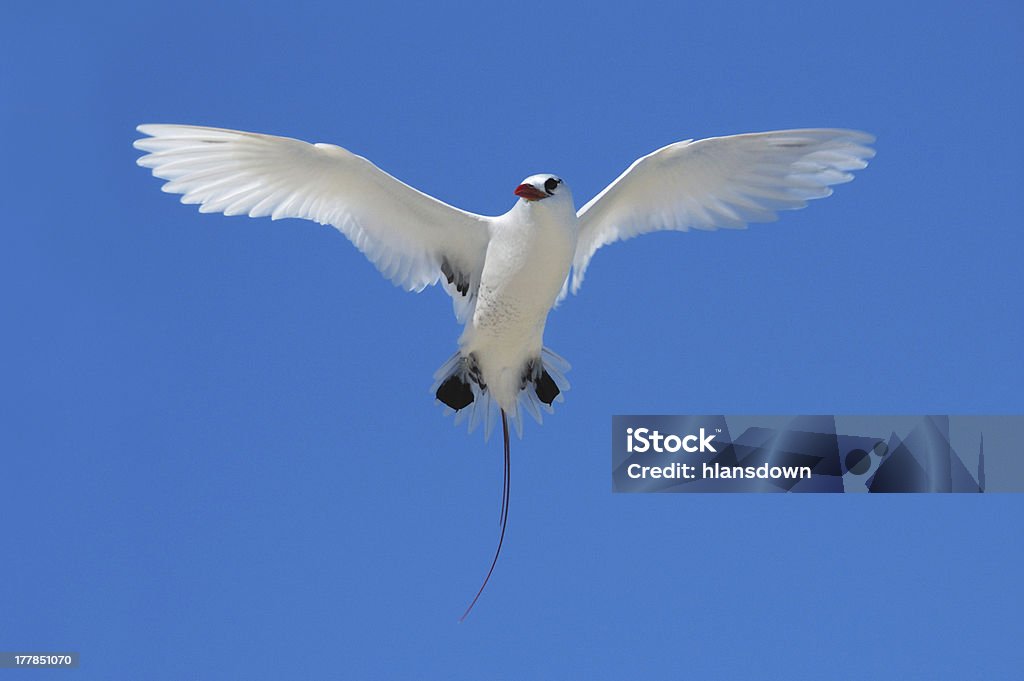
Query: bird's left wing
718,182
412,238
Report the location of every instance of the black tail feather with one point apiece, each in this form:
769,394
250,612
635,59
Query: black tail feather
504,514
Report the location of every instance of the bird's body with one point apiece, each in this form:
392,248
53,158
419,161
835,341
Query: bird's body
527,262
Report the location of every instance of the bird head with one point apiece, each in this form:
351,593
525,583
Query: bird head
538,187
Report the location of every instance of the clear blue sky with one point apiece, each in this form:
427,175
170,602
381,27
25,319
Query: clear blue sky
220,458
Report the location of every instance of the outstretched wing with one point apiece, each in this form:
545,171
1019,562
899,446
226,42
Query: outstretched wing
412,238
718,182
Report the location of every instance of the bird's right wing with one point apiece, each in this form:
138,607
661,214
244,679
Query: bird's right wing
718,182
412,238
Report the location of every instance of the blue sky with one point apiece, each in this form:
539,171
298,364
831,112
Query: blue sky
220,456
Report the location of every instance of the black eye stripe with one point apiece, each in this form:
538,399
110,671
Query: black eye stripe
550,184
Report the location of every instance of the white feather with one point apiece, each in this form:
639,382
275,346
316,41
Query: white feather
404,232
718,182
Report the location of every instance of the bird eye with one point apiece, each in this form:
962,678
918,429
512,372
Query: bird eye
550,184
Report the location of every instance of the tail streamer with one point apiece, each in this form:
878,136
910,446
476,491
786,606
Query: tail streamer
504,514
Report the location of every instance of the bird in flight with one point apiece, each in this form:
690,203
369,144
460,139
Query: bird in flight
504,273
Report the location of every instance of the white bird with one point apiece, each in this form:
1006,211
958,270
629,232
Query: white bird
504,273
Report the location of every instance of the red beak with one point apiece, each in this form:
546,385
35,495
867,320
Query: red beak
529,192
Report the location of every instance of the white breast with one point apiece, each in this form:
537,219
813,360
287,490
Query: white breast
527,261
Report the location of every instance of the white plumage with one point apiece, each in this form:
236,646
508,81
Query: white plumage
504,273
